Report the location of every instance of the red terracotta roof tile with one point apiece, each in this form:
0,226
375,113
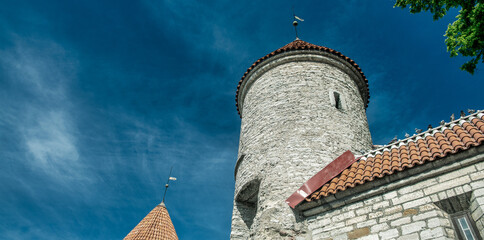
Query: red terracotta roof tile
302,45
430,145
156,225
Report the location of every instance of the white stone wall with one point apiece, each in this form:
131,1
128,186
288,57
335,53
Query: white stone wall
290,130
407,212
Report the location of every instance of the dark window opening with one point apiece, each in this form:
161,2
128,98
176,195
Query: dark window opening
465,227
337,100
246,202
458,209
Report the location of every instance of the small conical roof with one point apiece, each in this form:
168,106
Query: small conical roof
156,225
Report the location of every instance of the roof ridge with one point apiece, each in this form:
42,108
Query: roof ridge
422,134
432,145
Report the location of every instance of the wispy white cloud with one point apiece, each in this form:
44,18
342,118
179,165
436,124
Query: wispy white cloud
40,106
49,139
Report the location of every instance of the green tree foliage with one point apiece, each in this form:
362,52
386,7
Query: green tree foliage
465,36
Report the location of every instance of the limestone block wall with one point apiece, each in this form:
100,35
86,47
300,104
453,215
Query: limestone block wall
410,212
291,128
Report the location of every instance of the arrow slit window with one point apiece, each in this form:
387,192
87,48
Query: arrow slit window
336,100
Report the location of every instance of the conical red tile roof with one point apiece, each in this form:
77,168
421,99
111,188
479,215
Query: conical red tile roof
302,45
156,225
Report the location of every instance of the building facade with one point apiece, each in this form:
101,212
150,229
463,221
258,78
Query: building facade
302,107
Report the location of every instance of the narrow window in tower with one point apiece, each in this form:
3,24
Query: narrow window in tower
337,100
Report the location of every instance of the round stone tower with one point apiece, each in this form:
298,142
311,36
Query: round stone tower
301,107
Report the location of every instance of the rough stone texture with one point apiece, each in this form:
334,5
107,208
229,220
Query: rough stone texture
290,130
411,211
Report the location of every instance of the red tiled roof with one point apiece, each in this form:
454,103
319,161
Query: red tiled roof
156,225
428,146
301,45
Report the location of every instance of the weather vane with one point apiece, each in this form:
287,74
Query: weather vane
167,183
295,22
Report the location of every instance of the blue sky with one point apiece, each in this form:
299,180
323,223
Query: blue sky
100,99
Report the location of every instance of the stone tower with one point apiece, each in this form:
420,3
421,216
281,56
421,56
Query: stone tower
301,107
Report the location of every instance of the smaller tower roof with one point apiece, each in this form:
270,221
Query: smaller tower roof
302,45
156,225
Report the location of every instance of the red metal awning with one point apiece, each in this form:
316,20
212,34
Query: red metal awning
329,172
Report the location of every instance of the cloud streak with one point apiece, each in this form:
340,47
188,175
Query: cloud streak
39,72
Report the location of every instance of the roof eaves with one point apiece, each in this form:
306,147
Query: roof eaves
426,155
301,45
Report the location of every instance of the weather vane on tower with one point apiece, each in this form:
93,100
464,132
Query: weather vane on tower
295,22
167,184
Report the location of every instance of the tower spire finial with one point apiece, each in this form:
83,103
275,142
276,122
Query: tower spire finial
167,183
295,22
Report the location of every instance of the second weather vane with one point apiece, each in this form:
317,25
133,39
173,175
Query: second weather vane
167,184
295,22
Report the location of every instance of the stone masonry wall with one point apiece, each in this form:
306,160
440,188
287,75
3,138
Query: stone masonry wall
405,213
290,130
